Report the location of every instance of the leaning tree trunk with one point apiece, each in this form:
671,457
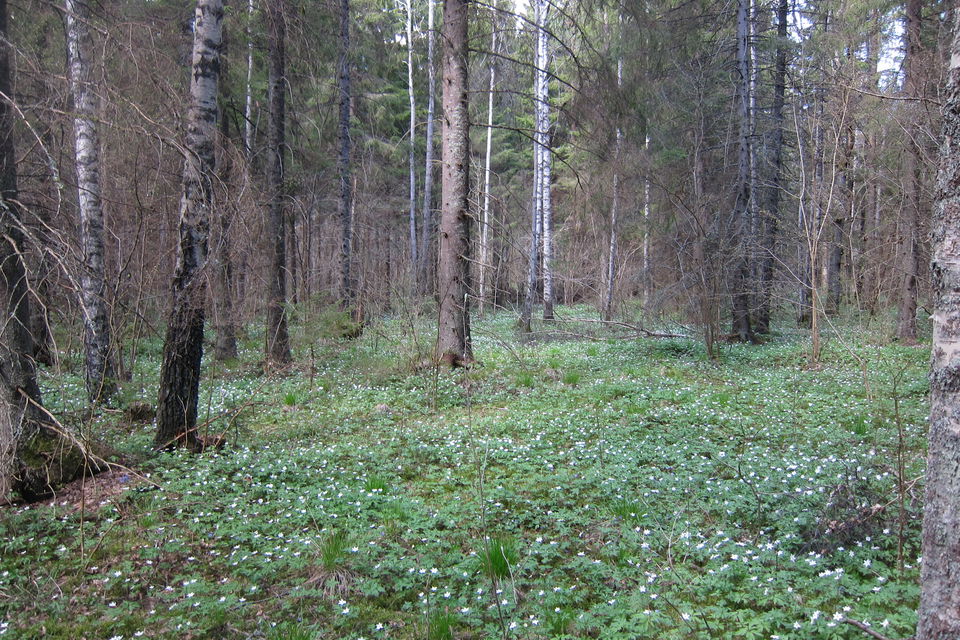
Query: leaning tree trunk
278,338
939,615
348,293
453,342
183,345
96,323
35,457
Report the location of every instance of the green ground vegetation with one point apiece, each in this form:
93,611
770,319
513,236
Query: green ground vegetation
580,484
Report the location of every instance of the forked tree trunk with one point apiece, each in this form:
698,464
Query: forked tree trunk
183,344
278,338
99,372
939,614
453,342
426,222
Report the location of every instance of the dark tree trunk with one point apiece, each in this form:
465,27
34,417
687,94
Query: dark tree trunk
771,218
278,338
225,346
453,343
348,293
183,344
426,252
96,323
740,282
35,457
939,614
913,161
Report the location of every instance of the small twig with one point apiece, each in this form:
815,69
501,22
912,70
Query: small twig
867,630
628,325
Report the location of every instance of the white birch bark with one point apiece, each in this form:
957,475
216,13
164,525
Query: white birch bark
647,275
485,221
536,207
542,98
413,128
248,105
183,344
86,104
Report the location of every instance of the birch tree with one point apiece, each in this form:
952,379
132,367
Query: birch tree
453,342
412,147
544,168
939,614
99,373
485,219
183,343
248,101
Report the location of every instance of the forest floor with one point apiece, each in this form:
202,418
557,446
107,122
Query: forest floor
587,483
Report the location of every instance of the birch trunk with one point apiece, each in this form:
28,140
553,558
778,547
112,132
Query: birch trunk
248,103
96,323
485,222
453,343
939,614
426,224
348,293
278,339
645,248
412,147
546,157
183,344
